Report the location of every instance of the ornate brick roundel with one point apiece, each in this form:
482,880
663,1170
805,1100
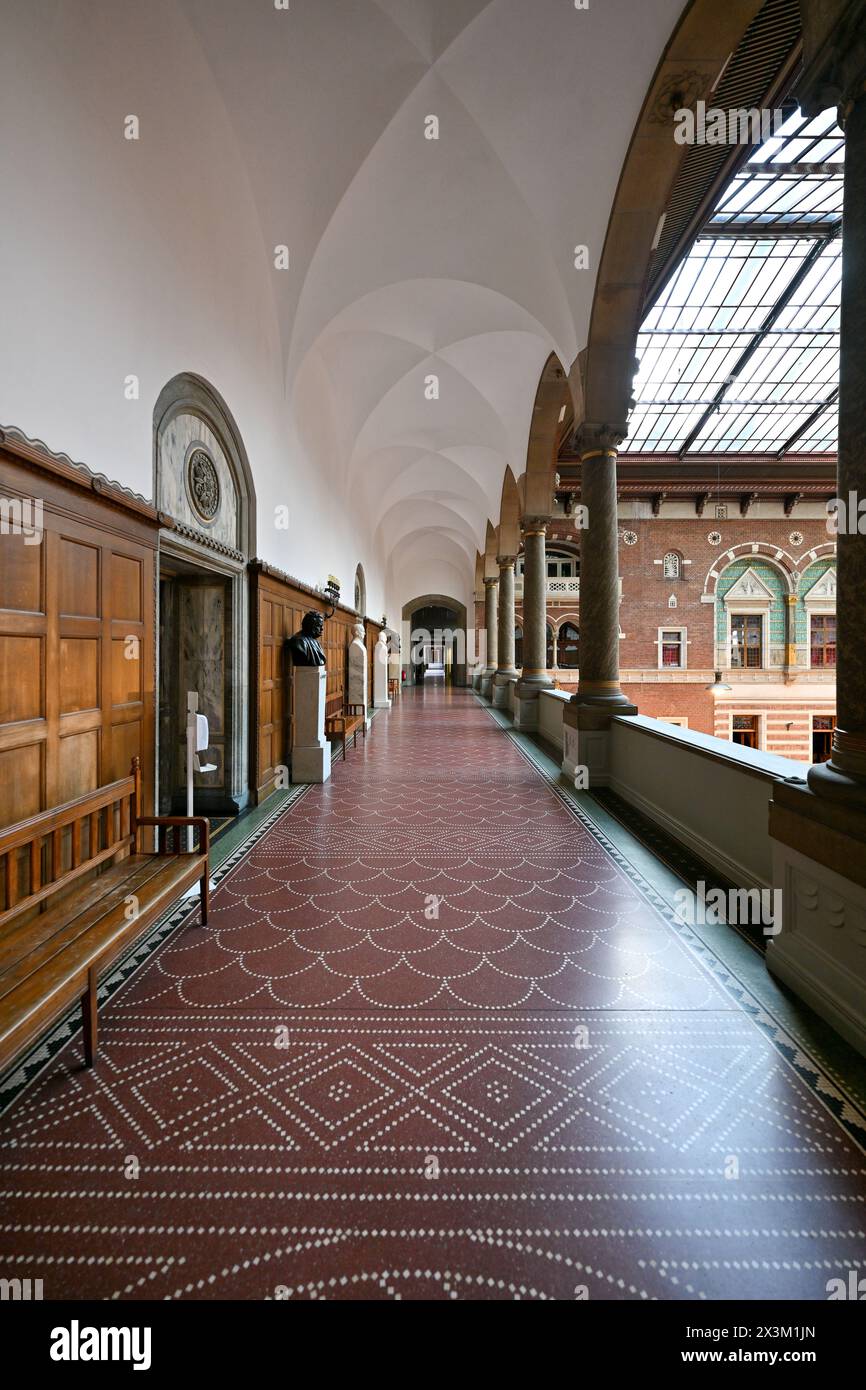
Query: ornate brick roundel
715,538
629,538
204,484
795,538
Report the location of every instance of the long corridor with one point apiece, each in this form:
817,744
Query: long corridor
435,1042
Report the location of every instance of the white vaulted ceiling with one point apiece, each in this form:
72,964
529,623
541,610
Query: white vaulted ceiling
412,257
409,257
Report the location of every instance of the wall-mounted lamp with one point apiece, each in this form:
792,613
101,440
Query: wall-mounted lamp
332,594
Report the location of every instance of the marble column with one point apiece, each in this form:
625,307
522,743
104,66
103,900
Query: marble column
506,671
534,677
491,620
844,776
598,697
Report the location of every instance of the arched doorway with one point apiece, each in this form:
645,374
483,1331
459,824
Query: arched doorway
203,481
434,631
568,647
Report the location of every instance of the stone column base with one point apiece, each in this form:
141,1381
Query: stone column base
526,701
486,684
585,742
501,685
819,863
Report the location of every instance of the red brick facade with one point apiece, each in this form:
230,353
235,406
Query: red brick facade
785,694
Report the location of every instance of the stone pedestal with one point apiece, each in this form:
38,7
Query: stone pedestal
357,687
381,699
585,742
819,863
311,752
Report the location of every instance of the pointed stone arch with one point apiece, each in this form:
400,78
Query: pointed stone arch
553,414
508,530
491,569
706,37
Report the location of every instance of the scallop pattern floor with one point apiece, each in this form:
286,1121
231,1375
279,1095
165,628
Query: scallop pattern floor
434,1043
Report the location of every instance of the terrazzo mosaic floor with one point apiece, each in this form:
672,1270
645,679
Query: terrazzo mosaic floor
435,1043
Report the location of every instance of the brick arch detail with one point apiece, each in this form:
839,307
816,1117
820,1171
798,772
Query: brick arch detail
773,555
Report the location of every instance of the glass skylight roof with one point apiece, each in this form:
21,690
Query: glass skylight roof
740,353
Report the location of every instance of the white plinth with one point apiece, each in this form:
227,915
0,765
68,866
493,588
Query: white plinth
311,752
381,699
357,688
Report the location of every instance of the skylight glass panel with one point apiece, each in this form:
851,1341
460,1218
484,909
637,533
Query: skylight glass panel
744,340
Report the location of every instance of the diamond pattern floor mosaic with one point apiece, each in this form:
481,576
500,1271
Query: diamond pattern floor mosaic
435,1043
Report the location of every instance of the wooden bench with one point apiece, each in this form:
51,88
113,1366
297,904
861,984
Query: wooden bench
343,722
76,888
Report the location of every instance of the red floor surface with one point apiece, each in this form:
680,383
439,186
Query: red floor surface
434,1043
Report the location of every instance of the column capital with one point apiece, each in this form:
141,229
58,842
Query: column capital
535,525
834,56
506,561
488,583
592,438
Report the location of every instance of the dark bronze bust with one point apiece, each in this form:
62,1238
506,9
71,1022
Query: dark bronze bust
305,648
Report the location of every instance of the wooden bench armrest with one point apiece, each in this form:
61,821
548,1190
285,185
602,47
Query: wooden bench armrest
200,822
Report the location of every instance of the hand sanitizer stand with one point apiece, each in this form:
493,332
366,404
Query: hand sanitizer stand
381,699
197,740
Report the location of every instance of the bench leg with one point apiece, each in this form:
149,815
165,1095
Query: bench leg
204,889
89,1016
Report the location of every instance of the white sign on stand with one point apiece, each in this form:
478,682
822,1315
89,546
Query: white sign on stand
197,740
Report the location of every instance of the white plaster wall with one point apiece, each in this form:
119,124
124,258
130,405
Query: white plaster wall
408,257
121,257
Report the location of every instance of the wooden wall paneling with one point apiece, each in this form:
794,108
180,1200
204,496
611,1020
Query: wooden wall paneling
371,632
77,655
277,608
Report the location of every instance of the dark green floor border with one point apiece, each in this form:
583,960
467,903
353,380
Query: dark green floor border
834,1073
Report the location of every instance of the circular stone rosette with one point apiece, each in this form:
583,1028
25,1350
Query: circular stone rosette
203,485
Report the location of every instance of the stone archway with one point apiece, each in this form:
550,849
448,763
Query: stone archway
455,633
204,487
